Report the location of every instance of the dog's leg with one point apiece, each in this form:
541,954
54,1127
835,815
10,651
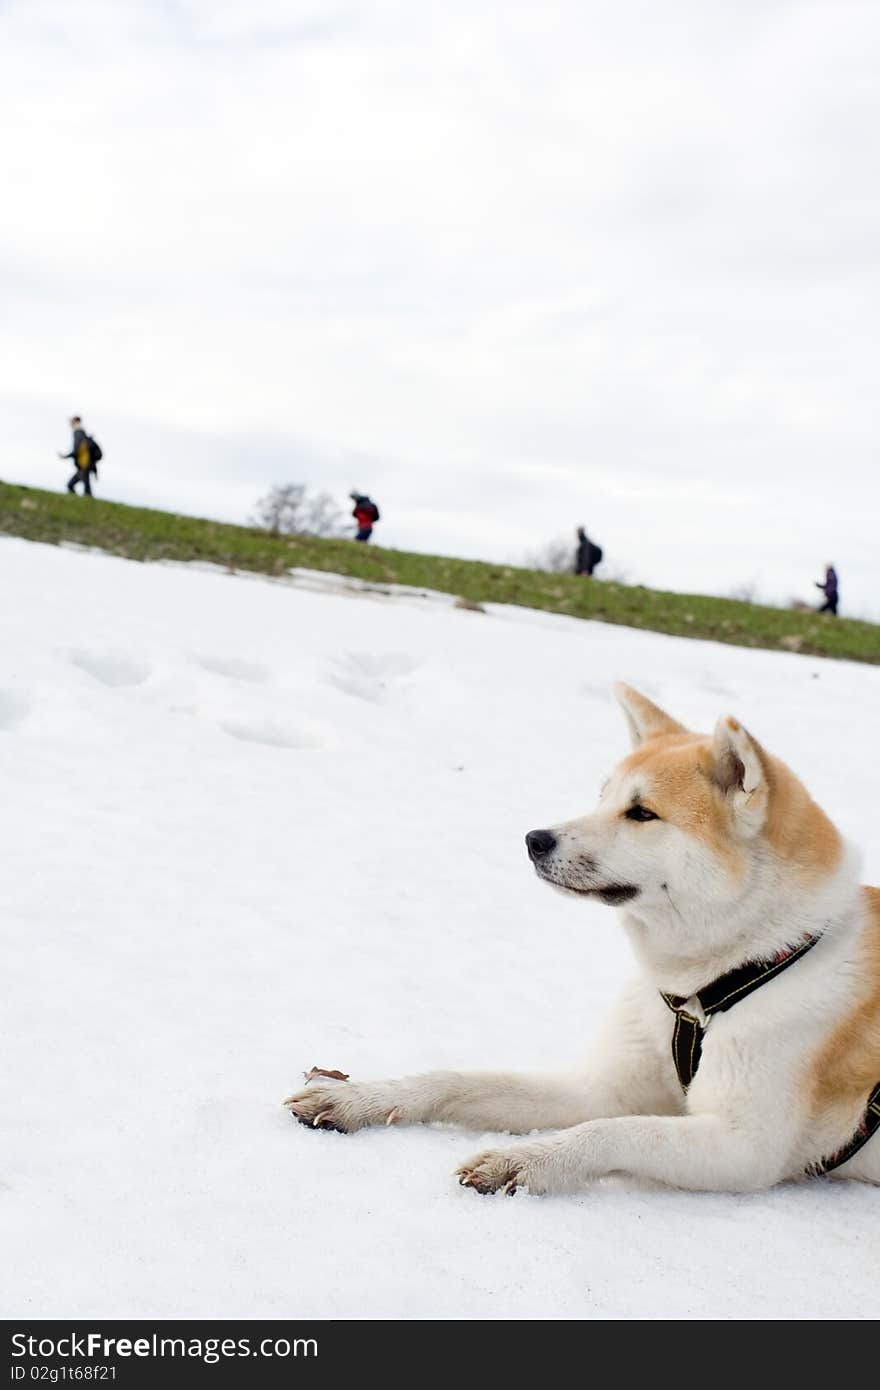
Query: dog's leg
476,1100
629,1073
702,1153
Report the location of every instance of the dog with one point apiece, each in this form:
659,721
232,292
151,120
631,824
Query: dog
748,1050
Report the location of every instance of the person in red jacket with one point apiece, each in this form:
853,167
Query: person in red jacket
365,513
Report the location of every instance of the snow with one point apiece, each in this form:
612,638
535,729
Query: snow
249,827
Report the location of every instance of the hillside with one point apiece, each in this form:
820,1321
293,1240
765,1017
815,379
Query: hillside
140,534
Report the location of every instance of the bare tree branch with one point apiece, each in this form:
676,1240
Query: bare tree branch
288,509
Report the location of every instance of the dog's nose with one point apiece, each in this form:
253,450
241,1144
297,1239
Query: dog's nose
539,844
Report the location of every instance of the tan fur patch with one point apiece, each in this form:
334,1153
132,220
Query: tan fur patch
797,829
848,1066
681,786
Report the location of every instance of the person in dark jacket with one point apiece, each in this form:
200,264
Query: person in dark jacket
365,513
588,555
829,588
81,453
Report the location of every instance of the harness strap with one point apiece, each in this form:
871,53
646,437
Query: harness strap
687,1043
718,997
869,1125
721,995
729,989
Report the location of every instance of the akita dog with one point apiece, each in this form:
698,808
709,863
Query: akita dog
748,1051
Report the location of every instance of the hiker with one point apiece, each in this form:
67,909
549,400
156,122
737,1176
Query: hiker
829,588
365,513
588,555
85,454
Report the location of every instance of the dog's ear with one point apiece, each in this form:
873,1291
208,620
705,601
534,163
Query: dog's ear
740,769
645,719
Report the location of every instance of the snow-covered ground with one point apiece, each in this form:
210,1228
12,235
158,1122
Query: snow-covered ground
248,828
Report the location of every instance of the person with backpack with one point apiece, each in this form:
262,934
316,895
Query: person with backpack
588,555
365,513
830,589
85,454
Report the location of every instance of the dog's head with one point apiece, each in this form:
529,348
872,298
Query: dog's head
686,821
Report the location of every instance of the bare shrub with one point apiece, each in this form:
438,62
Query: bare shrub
288,509
744,593
556,557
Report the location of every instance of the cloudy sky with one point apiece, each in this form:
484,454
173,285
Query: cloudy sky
508,266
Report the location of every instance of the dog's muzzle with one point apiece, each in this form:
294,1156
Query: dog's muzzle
578,877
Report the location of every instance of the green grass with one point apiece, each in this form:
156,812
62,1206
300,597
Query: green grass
139,534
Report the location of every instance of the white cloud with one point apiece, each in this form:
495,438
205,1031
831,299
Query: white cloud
511,267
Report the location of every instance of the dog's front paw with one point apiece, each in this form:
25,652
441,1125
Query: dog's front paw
318,1107
504,1170
345,1106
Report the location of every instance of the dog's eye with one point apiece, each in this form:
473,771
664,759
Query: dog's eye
638,812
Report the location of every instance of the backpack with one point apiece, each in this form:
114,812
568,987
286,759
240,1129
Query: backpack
96,453
374,511
595,553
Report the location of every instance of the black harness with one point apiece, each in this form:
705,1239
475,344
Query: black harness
721,995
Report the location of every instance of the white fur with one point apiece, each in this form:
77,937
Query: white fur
744,1123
